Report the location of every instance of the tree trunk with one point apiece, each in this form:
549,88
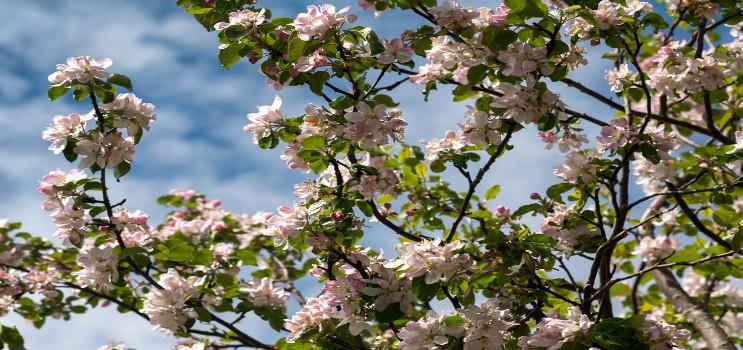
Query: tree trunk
710,330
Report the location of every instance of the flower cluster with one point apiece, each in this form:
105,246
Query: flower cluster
132,114
372,127
577,168
522,60
99,266
319,19
64,128
563,224
429,332
264,120
526,103
652,250
662,335
610,13
449,57
263,293
166,307
553,332
433,259
245,18
81,69
487,326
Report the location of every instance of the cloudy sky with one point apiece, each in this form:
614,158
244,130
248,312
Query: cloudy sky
197,141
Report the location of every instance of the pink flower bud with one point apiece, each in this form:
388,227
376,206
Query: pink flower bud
502,212
338,216
535,196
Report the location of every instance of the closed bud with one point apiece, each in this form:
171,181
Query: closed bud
338,216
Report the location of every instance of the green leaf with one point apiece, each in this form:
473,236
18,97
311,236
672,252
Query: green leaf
317,81
93,186
737,242
476,74
527,8
423,291
296,49
390,314
492,192
497,39
229,56
313,143
122,169
56,92
555,192
12,338
526,209
120,80
365,208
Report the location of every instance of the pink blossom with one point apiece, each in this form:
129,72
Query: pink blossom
264,120
563,224
619,78
99,266
577,168
314,60
105,150
480,129
374,127
552,332
451,142
287,223
318,19
395,49
525,104
244,18
70,222
522,59
487,326
131,113
49,186
64,128
82,69
662,335
167,307
263,294
502,212
388,289
653,249
432,259
429,332
450,14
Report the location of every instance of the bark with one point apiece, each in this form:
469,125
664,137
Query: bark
702,321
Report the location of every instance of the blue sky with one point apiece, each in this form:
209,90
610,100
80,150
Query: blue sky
197,141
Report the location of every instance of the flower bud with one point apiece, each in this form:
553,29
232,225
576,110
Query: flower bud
338,215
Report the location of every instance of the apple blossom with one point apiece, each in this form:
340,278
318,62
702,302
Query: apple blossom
64,128
428,332
319,19
244,18
132,113
654,249
263,293
82,69
374,127
394,50
105,150
553,332
432,259
167,307
98,264
264,120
